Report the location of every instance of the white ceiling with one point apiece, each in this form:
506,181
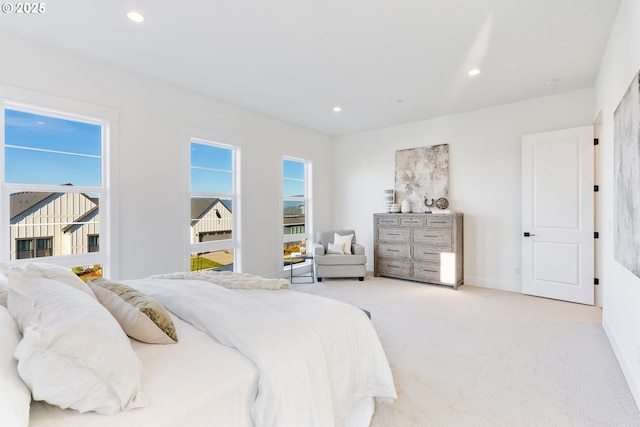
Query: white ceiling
386,62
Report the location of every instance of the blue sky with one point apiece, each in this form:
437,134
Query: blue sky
46,150
293,182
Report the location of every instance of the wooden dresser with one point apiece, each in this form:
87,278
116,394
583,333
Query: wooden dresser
421,247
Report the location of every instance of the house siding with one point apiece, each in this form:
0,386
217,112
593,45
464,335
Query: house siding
51,217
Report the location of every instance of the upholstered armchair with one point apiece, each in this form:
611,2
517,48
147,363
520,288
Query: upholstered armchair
336,254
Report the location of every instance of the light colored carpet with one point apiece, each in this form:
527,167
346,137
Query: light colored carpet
481,357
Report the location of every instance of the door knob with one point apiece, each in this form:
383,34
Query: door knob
527,234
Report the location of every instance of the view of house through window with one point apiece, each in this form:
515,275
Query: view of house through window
53,166
296,200
213,192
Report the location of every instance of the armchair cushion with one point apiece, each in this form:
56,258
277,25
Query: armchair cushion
331,259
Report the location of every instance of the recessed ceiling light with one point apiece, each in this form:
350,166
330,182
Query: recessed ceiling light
474,72
337,109
135,16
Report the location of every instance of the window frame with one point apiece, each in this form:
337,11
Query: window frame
307,200
60,108
235,242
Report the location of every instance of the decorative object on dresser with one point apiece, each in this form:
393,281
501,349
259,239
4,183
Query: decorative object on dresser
429,204
421,247
442,203
389,200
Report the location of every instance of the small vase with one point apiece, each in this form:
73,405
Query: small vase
406,207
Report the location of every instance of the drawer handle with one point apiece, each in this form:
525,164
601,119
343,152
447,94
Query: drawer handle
393,234
430,271
393,250
393,266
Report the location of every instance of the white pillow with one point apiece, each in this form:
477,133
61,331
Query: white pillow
140,316
73,353
345,240
4,281
15,397
337,249
4,289
59,273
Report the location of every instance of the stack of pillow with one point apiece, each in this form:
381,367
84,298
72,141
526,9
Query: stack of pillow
65,342
341,244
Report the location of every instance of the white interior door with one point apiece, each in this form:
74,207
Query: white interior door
557,215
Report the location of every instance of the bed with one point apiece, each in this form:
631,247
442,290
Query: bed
226,349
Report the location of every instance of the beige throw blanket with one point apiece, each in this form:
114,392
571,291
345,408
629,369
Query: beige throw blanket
228,279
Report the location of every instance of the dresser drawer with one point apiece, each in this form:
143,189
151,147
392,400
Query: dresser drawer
429,253
393,251
411,221
388,220
432,236
439,221
394,234
393,267
428,271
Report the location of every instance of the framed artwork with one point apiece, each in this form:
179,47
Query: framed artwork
626,150
422,173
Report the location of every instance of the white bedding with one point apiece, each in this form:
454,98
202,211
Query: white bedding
297,360
196,382
299,342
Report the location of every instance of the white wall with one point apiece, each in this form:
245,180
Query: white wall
484,176
152,156
621,289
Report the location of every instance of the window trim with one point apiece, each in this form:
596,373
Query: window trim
107,118
308,204
235,243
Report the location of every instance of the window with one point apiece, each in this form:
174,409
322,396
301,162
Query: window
24,247
53,165
296,205
214,206
93,241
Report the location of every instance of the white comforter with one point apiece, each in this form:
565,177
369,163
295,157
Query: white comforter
315,356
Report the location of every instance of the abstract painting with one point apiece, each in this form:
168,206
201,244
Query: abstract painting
627,179
422,173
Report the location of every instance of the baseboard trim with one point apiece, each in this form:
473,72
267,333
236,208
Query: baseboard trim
625,364
502,285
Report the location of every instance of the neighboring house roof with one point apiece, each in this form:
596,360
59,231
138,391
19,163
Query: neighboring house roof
294,219
201,206
20,203
78,222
